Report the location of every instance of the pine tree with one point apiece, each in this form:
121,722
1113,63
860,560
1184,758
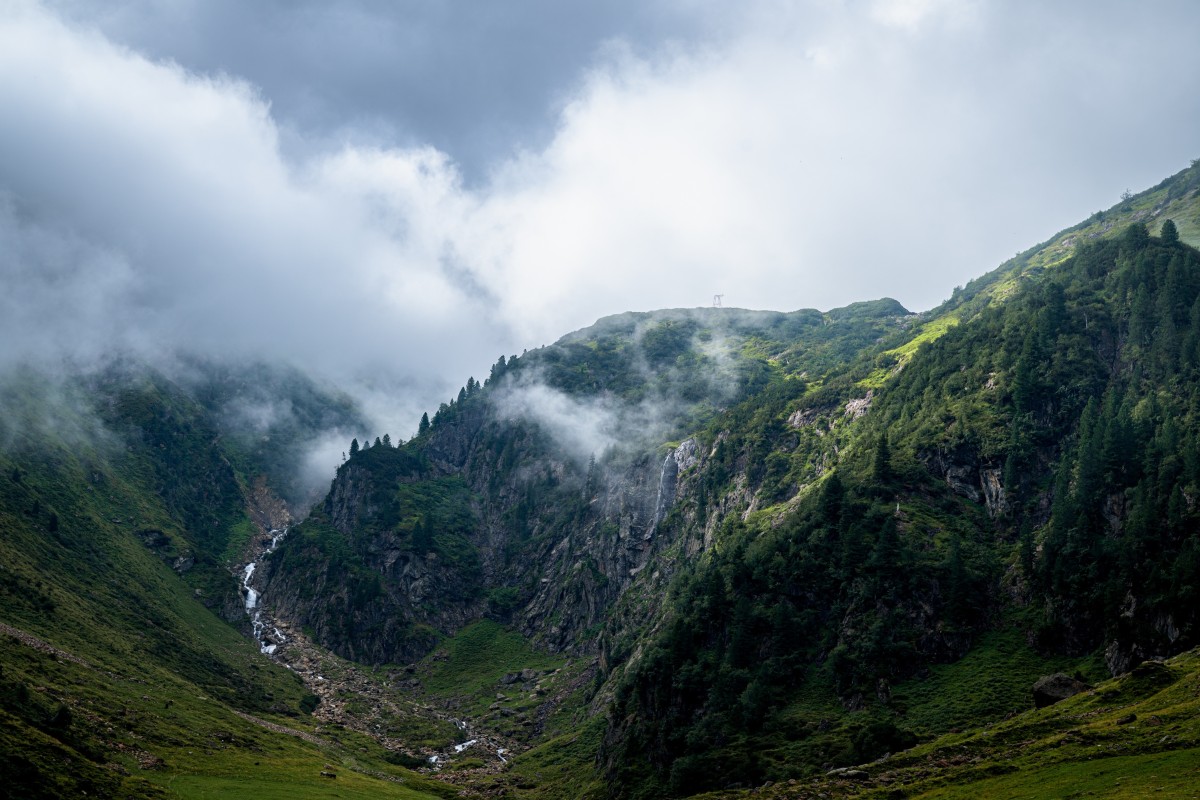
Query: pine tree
422,537
423,428
354,447
1136,235
589,482
498,370
387,440
1026,380
829,503
1169,233
881,467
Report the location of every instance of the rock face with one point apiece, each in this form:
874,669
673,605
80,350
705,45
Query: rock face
529,535
1145,633
678,460
967,475
1054,688
498,508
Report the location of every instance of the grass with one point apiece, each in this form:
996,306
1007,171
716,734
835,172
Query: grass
1136,736
898,356
116,680
1161,775
929,332
475,659
294,776
561,768
239,540
467,674
992,680
124,734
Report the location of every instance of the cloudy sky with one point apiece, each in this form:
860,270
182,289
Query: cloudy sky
406,189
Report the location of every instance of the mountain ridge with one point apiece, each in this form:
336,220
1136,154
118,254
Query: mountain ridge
674,552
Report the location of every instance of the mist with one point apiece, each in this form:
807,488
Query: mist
658,398
165,197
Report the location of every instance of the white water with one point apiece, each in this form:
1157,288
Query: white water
438,760
666,491
268,641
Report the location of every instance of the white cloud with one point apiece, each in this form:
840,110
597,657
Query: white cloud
216,242
910,15
822,160
801,155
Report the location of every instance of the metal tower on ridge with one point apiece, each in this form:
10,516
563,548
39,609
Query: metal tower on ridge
717,300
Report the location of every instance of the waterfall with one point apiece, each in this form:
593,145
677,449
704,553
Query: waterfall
268,643
666,489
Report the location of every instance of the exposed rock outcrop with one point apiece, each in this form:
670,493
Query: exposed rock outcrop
550,544
1055,688
969,476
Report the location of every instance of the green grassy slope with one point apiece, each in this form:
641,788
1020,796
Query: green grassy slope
1177,198
117,677
1136,736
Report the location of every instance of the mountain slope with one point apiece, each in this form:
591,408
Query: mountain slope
676,552
1130,737
1024,462
121,518
769,530
535,496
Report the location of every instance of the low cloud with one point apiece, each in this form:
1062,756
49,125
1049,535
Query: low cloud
786,158
149,209
38,410
583,428
607,424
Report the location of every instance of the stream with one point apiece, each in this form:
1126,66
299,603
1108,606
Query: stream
438,760
268,637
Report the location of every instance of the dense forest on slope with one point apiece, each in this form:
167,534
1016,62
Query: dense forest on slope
1072,407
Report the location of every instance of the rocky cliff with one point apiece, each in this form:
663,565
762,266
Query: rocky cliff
498,509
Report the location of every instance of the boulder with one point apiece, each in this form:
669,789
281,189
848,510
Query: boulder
1052,688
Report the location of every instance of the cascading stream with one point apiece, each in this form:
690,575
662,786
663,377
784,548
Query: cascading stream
666,490
436,761
268,640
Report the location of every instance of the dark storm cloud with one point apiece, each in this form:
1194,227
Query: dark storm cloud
474,80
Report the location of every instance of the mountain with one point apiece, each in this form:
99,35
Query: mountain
125,504
830,504
679,551
1011,465
536,496
1032,464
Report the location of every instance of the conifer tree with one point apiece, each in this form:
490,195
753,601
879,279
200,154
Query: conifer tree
881,467
1169,233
